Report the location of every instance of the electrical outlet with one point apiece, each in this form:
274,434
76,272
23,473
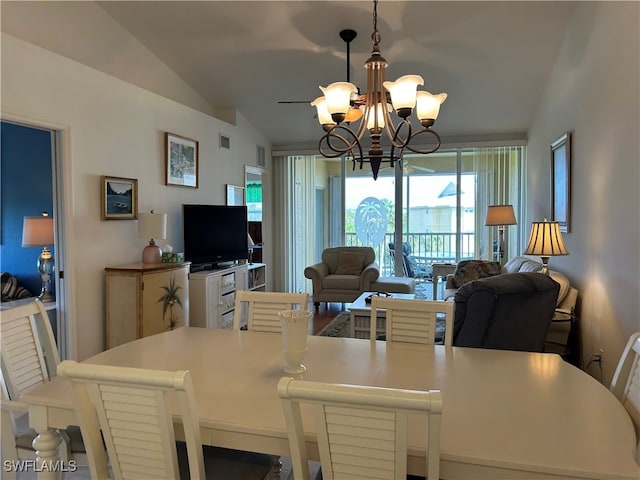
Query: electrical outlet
595,358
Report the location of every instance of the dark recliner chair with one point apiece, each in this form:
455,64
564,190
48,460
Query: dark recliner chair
512,311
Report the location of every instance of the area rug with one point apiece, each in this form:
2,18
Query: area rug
341,327
338,327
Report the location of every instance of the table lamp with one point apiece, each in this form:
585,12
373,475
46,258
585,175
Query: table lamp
546,241
500,215
153,226
38,232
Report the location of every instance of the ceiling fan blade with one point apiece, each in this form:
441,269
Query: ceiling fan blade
294,101
422,169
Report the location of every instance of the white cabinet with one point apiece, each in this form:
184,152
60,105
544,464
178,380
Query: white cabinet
257,277
144,299
212,296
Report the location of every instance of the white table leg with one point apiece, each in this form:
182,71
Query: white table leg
46,444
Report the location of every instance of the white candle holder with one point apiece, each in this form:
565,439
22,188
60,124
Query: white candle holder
295,327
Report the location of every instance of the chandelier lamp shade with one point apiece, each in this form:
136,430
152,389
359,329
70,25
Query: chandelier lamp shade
342,104
152,226
38,232
546,241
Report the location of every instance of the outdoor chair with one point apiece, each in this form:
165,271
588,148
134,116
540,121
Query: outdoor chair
412,266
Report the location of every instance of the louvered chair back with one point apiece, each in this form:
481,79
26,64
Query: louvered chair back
412,321
131,407
362,431
261,308
29,357
626,383
22,351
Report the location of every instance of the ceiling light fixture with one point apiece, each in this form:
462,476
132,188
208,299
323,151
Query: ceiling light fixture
342,97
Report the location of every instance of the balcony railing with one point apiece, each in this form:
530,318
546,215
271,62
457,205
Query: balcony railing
427,248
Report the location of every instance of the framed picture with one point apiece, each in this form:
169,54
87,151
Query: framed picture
561,182
235,195
119,198
182,161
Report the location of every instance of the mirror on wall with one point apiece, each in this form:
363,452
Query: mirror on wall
253,189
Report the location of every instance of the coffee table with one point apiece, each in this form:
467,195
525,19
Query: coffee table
361,315
441,270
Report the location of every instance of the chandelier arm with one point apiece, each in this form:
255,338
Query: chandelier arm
425,152
336,150
394,133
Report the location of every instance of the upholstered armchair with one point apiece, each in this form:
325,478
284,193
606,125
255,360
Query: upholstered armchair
343,274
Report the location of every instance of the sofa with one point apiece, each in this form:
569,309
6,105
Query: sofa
560,330
510,311
343,274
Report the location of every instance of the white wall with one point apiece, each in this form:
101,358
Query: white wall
593,92
117,129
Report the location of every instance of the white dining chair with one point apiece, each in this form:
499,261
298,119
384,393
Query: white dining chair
131,411
625,384
29,357
411,320
361,430
260,309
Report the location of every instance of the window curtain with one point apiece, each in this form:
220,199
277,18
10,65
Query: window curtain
499,171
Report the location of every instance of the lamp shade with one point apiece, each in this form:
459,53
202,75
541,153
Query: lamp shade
338,96
428,105
403,91
152,225
37,231
500,215
546,240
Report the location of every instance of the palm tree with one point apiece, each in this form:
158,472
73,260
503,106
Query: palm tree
169,299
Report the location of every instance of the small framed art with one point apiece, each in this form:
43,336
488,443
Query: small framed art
182,161
235,195
119,198
561,182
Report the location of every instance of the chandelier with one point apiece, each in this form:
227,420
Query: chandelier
342,105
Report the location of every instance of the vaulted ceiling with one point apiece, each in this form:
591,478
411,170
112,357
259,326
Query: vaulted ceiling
492,58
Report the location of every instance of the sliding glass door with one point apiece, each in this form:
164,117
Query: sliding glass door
434,205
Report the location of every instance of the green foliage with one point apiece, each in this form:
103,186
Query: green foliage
169,300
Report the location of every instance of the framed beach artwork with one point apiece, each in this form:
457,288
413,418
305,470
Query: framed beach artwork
119,198
181,161
561,182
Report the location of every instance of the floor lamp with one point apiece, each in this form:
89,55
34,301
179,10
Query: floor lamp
38,232
500,215
546,241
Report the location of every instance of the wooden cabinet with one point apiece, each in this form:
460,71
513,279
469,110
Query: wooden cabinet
213,295
144,299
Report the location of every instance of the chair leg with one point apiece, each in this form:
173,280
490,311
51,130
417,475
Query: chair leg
317,305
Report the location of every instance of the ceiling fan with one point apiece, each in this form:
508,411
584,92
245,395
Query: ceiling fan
347,36
408,168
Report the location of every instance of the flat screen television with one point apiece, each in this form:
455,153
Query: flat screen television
215,234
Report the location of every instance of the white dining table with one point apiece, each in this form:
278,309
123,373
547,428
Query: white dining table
506,414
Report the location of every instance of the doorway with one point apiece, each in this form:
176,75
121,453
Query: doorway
30,186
